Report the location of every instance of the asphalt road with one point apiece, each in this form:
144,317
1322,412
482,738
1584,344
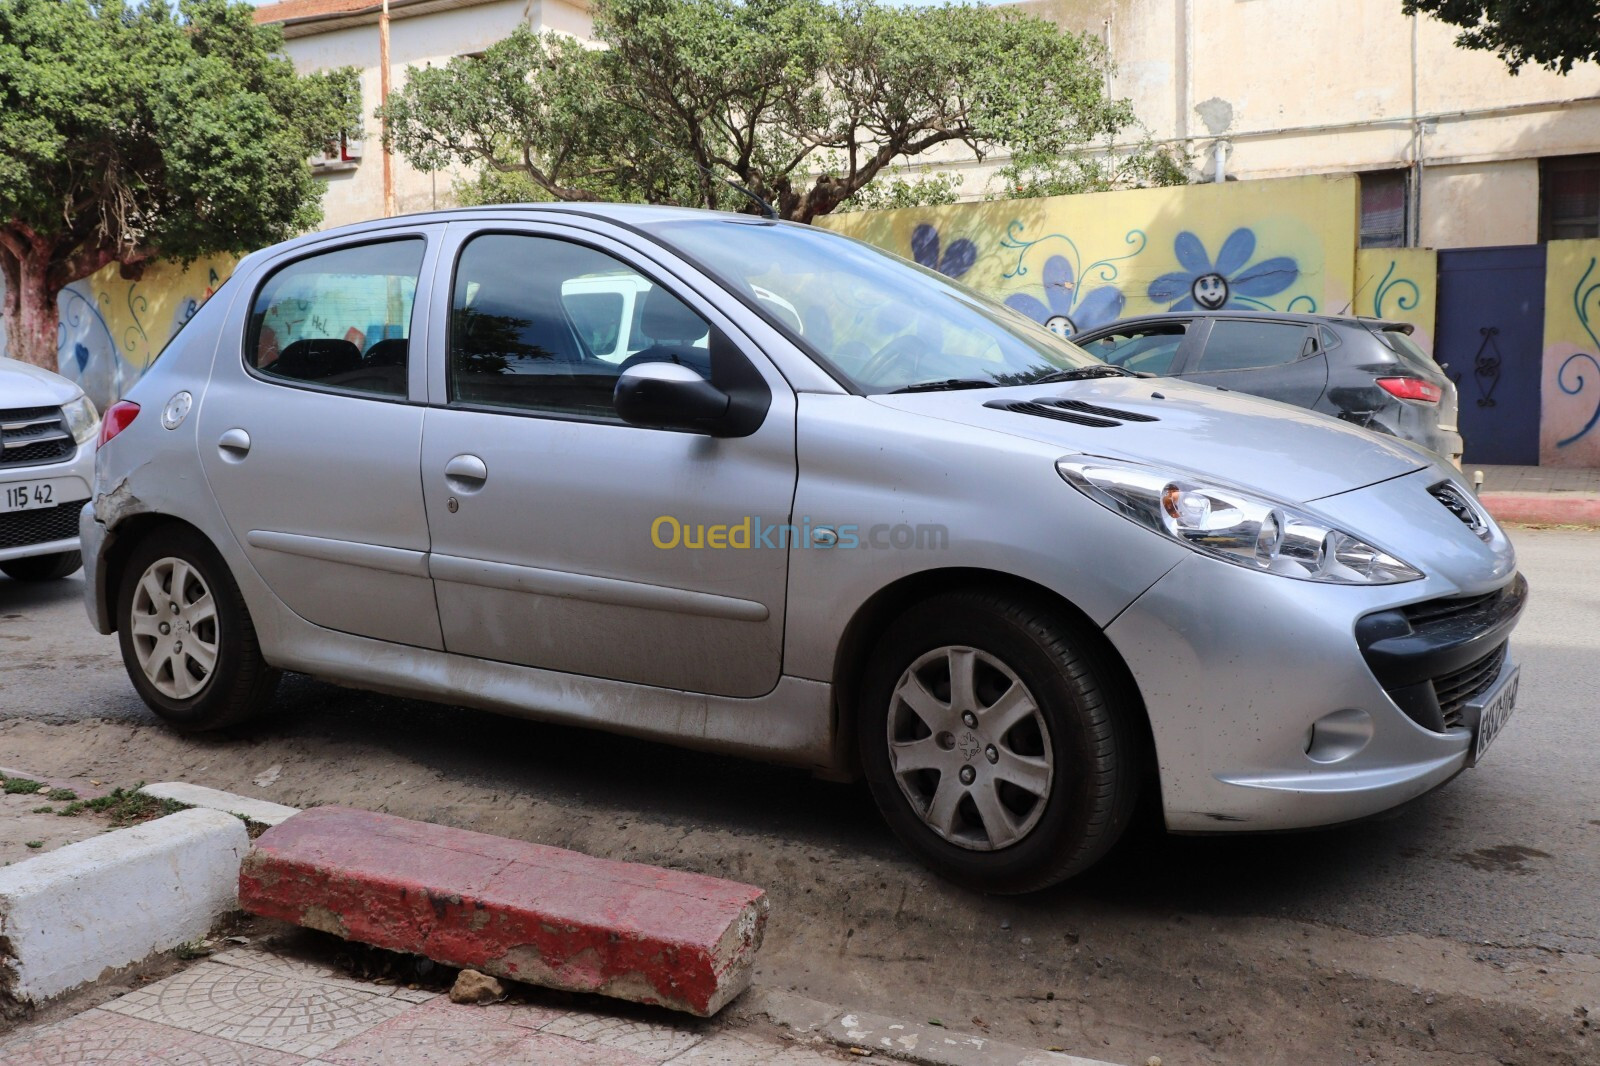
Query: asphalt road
1505,859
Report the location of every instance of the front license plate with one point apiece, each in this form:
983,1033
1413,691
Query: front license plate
30,495
1495,711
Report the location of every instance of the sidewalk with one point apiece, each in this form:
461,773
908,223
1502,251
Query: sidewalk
253,1006
1539,495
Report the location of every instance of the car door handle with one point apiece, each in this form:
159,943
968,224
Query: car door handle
234,444
466,473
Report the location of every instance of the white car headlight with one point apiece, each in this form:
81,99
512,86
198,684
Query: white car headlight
82,420
1233,525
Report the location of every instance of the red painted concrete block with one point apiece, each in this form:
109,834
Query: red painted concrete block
1543,508
523,911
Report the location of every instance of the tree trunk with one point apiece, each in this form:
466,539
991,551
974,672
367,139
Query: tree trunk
33,318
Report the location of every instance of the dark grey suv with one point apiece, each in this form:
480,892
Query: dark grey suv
1362,370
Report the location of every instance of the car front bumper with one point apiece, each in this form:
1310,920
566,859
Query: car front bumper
1241,670
47,531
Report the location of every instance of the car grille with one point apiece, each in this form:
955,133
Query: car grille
1434,658
1076,411
21,528
1463,507
1437,612
31,436
1455,691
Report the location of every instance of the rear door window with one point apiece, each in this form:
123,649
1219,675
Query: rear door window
339,319
1141,349
1236,344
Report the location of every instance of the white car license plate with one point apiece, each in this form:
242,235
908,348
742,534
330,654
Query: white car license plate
31,495
1495,711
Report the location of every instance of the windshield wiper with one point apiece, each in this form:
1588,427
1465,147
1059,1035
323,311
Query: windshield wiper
1080,373
948,384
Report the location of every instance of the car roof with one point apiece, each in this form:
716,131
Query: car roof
1298,318
627,215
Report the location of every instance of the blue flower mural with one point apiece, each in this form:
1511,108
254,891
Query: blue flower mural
1227,282
1061,311
956,260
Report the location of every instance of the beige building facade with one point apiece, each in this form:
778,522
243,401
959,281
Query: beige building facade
326,34
1446,138
1453,150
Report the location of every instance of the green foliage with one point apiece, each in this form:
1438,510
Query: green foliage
1552,33
1147,165
124,806
134,132
804,102
19,786
892,191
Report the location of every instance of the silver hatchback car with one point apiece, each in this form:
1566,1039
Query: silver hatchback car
761,489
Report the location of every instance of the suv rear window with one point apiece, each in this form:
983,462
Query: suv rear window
1400,342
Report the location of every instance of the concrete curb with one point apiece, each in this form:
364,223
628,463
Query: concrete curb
71,914
928,1045
253,811
1543,508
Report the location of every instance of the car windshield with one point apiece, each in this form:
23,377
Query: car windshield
877,321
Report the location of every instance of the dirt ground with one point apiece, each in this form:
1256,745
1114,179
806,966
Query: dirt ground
855,923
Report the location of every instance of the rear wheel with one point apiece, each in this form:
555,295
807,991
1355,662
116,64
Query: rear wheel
997,747
43,567
187,639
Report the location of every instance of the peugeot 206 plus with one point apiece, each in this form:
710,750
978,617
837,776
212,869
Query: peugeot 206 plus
822,507
47,432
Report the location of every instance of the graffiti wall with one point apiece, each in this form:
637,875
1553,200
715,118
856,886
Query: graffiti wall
1569,424
1401,284
1076,262
111,327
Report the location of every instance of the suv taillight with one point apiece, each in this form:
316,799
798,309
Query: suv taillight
1414,389
117,418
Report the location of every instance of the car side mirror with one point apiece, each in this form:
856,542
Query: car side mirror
671,396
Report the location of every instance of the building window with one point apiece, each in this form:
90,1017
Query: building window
1569,197
1385,208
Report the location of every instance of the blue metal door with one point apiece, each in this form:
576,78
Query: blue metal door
1491,335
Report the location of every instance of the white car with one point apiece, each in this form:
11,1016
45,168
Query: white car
45,471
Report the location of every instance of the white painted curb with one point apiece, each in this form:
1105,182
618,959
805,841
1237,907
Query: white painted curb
69,915
255,811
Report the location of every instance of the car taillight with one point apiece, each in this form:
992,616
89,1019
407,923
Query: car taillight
1412,389
117,418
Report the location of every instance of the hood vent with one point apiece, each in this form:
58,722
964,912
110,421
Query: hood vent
1075,411
1463,507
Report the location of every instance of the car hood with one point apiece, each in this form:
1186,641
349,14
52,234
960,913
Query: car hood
24,385
1292,454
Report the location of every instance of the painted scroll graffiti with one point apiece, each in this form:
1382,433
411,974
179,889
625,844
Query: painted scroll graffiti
112,327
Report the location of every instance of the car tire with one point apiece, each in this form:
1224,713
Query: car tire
43,567
1048,776
220,678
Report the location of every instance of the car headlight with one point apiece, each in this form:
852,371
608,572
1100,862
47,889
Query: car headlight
1233,525
82,420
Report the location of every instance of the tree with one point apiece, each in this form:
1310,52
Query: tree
134,133
803,102
1552,33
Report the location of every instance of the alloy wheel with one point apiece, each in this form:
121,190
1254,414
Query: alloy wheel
175,632
969,748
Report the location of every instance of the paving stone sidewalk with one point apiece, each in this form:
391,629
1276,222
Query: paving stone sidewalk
254,1007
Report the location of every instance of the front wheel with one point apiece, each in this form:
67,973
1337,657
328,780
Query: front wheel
43,567
187,639
998,747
